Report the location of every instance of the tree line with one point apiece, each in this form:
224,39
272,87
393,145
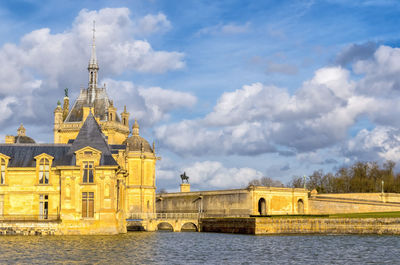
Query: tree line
359,177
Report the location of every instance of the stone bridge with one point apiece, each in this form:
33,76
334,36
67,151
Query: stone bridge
175,222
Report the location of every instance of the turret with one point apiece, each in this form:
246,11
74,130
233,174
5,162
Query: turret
125,117
58,120
112,111
135,129
66,105
21,130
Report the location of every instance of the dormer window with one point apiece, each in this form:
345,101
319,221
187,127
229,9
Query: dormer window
2,171
44,171
88,176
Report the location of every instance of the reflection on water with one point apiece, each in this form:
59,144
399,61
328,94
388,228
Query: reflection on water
198,248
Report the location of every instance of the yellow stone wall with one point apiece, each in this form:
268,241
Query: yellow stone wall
279,200
238,202
140,182
21,191
64,131
116,132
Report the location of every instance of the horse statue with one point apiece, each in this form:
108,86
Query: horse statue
184,178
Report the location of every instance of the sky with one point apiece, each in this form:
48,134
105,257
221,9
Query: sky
230,91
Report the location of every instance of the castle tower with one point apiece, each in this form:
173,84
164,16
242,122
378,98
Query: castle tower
125,117
91,99
141,164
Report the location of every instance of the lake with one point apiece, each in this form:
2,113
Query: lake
199,248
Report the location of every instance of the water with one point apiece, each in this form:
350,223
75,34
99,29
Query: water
199,248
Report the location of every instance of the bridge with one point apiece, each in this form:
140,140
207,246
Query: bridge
175,222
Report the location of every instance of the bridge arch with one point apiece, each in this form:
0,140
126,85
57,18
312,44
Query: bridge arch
165,226
189,227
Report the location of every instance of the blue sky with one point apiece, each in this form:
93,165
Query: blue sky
229,90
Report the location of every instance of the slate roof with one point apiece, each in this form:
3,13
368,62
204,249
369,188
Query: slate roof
22,139
22,155
100,106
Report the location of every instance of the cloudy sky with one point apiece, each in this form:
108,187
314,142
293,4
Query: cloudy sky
229,90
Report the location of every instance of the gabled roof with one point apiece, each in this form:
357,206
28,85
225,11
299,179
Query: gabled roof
90,135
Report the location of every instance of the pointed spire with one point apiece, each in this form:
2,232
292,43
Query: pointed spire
93,68
93,58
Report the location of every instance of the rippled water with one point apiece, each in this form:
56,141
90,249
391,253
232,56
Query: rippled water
199,248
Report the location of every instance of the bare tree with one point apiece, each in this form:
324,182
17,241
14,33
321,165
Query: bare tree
266,181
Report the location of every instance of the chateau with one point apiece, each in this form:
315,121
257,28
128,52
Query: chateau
98,177
93,174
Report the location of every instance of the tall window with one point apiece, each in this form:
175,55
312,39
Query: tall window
87,204
43,206
44,171
87,172
3,171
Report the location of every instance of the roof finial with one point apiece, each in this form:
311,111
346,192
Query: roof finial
21,130
135,128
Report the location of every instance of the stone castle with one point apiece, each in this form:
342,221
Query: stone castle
93,174
99,177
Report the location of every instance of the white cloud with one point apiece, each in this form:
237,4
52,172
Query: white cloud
381,143
257,118
148,105
260,118
150,24
214,174
225,29
36,70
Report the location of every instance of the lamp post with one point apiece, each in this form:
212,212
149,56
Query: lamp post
304,177
382,186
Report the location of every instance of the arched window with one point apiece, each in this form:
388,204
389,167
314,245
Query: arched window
3,171
262,206
300,206
44,171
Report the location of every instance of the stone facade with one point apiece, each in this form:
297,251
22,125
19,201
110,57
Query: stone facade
354,203
255,200
88,181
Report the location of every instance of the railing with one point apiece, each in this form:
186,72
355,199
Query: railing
163,216
25,217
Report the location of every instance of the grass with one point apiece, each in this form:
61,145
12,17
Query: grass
367,215
342,215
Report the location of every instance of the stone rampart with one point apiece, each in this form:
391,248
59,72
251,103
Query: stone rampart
267,226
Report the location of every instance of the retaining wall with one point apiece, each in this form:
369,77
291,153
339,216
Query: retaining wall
268,226
29,228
